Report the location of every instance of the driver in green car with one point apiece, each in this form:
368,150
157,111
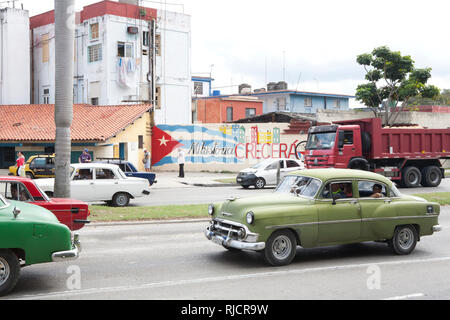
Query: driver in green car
337,191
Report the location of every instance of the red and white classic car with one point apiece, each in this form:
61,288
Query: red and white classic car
72,213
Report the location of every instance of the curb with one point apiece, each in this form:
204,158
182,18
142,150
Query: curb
149,222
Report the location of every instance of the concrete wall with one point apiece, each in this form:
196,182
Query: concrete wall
14,56
425,119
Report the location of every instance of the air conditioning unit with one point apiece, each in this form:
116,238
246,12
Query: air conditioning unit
133,30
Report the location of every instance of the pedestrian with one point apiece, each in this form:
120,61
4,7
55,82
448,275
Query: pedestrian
20,162
181,161
85,157
147,161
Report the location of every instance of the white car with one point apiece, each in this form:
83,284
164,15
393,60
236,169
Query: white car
265,172
92,182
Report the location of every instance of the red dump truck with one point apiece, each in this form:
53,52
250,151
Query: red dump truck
407,155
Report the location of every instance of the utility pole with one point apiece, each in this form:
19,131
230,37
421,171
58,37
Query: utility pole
64,56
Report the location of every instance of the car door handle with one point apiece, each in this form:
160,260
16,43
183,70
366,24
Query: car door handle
387,201
91,183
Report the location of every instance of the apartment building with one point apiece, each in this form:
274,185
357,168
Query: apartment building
125,53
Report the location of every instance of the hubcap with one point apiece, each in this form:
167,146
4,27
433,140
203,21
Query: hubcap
282,247
121,200
260,184
405,239
4,271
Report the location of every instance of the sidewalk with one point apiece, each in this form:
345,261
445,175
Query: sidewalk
198,179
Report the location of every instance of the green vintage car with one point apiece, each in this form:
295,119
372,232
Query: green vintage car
30,234
323,207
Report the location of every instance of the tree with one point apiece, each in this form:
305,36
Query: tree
64,55
392,82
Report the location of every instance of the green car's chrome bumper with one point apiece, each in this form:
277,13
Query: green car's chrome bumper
70,254
231,243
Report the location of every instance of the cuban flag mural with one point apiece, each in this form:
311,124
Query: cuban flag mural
226,144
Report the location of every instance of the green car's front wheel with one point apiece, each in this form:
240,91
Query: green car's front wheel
9,271
280,248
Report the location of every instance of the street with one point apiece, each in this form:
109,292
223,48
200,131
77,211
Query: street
175,261
206,195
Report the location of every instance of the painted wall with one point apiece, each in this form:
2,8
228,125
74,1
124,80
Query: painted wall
220,147
14,56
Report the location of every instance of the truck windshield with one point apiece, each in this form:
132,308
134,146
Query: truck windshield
321,141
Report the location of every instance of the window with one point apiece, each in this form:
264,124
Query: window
94,31
141,142
198,87
229,114
83,174
274,166
370,189
145,40
125,49
158,98
45,48
158,44
337,103
250,112
308,102
95,53
94,101
281,104
46,96
348,137
338,190
15,191
104,174
292,164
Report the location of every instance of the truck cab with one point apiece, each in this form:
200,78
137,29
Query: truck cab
333,146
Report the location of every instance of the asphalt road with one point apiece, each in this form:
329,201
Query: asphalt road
175,261
206,195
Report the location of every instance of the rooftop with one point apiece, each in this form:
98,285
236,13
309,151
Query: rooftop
90,123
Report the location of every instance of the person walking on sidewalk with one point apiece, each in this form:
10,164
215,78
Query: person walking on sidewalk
147,161
181,161
20,162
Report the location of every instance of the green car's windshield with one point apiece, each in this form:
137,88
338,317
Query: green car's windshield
300,186
321,141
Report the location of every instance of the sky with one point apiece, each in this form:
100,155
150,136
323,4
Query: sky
312,45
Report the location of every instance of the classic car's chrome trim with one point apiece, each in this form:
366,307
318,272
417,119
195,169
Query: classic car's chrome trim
228,242
248,235
437,228
70,254
347,221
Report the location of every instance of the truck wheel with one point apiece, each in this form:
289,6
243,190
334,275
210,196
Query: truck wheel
121,199
9,271
280,248
29,175
431,176
411,177
404,240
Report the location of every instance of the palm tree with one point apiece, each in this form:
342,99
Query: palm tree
64,57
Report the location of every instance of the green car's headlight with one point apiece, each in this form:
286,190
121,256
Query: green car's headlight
250,217
211,209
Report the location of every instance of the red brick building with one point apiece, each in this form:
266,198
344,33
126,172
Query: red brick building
226,109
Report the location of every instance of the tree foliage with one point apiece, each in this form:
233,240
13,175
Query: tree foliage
392,80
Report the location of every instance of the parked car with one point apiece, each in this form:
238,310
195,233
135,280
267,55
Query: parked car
30,234
93,182
323,207
72,213
129,169
265,173
38,166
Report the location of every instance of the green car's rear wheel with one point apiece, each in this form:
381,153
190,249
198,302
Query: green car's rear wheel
280,248
404,240
9,271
